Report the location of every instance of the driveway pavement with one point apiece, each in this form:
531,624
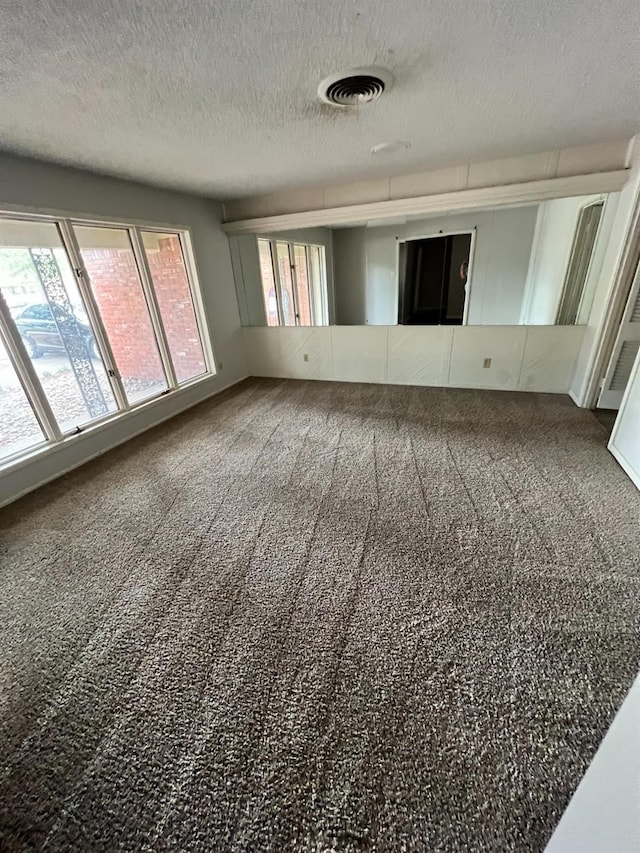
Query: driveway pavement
63,393
45,366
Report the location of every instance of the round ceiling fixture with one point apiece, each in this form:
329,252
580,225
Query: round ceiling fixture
359,86
391,147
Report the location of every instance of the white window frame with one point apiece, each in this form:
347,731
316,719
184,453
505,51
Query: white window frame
53,437
315,309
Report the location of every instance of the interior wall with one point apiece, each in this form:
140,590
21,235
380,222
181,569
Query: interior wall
555,230
503,241
245,262
27,184
246,270
350,273
554,235
525,358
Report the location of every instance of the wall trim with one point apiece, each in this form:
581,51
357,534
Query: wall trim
495,196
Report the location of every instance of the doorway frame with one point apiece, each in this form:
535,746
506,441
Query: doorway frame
628,258
472,232
576,248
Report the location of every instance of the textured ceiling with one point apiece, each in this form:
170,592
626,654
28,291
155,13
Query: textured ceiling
219,96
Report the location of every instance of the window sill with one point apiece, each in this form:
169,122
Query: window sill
50,448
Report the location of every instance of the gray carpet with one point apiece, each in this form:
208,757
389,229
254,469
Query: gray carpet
319,616
607,417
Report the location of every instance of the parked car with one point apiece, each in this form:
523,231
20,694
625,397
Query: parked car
40,333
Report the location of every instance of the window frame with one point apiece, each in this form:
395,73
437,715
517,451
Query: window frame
193,280
317,312
276,283
53,436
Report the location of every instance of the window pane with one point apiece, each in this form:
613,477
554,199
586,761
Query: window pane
286,285
171,285
302,285
40,289
115,282
268,283
19,428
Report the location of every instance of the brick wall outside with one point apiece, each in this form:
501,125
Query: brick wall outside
116,285
174,297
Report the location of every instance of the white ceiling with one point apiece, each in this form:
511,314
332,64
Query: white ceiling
219,96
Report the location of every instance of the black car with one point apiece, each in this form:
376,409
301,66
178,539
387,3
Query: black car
40,332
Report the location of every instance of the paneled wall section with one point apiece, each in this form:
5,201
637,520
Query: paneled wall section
530,167
525,358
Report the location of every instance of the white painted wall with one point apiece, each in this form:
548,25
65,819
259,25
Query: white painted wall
501,260
349,267
554,235
555,230
525,358
604,813
625,438
246,273
246,269
31,184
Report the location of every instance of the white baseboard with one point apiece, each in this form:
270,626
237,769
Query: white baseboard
576,399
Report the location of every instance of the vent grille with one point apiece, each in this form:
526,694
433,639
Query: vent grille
358,86
624,365
350,91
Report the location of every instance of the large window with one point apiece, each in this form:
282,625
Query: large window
124,307
19,427
94,320
293,283
168,270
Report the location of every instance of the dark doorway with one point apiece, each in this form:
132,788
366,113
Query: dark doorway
433,278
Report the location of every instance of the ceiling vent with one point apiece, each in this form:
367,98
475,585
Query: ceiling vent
360,86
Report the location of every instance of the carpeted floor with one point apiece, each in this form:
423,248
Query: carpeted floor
319,617
607,417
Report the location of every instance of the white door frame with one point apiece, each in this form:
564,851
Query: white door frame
627,413
628,334
614,311
472,249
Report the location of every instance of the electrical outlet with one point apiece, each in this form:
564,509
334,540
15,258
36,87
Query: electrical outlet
306,356
486,362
